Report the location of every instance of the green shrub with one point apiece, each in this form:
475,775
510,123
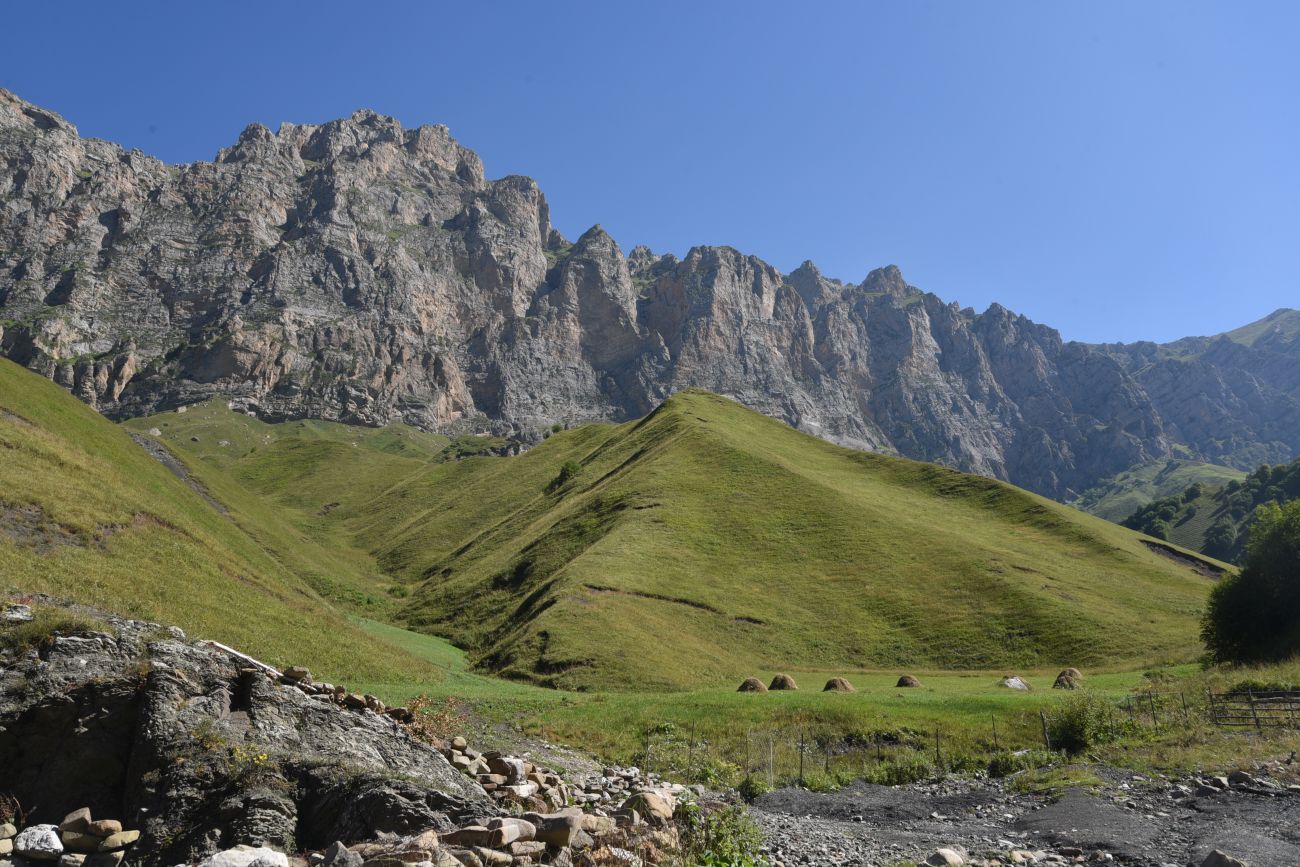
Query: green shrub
722,837
1005,764
570,469
1084,720
753,787
901,770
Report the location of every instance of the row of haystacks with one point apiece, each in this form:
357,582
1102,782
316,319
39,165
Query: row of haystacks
1070,678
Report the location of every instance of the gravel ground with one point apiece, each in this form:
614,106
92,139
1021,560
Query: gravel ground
1132,821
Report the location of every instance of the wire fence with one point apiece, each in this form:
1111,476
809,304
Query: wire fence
806,752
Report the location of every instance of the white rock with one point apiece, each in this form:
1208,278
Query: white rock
246,856
39,843
945,858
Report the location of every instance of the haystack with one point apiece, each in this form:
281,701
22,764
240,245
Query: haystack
907,681
1071,678
838,684
752,684
783,681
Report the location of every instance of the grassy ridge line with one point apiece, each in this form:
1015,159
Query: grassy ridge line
748,545
91,516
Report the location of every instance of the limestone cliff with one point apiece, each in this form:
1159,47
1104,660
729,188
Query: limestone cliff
364,272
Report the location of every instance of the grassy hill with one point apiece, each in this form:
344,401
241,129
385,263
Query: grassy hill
86,513
1123,494
1216,519
691,548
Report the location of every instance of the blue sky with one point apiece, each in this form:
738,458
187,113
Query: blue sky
1119,170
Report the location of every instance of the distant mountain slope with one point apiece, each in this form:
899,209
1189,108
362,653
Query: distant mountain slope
87,514
1232,399
1216,519
1120,496
359,271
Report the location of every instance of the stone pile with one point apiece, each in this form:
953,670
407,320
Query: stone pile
565,837
77,841
515,780
300,678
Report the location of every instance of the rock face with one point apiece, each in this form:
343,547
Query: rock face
201,754
362,272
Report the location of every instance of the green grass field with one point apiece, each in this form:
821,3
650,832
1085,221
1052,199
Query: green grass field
692,548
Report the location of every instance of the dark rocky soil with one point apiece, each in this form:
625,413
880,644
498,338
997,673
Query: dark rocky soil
1133,820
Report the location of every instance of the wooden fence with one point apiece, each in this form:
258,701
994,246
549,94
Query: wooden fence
1271,709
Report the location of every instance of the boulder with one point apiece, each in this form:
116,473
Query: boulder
1014,682
77,820
104,827
39,843
120,840
18,613
946,858
468,837
7,830
752,684
556,829
6,846
908,682
510,768
297,674
76,841
1066,681
246,856
838,684
1218,858
782,681
338,855
652,806
72,859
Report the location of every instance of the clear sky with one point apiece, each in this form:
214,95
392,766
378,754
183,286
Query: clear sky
1119,170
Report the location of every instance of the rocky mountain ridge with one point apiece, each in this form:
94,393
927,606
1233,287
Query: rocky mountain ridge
363,272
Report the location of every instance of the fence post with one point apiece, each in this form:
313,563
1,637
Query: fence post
1187,717
1151,701
828,755
938,756
771,759
801,741
690,750
1047,739
1211,707
1250,695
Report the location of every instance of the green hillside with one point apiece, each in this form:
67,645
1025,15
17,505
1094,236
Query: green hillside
707,541
688,549
1216,520
86,513
1125,493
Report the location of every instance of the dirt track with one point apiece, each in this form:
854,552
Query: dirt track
1133,821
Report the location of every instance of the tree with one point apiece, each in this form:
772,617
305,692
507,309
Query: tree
1254,616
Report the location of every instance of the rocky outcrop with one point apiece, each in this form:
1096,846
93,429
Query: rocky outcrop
363,272
198,751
